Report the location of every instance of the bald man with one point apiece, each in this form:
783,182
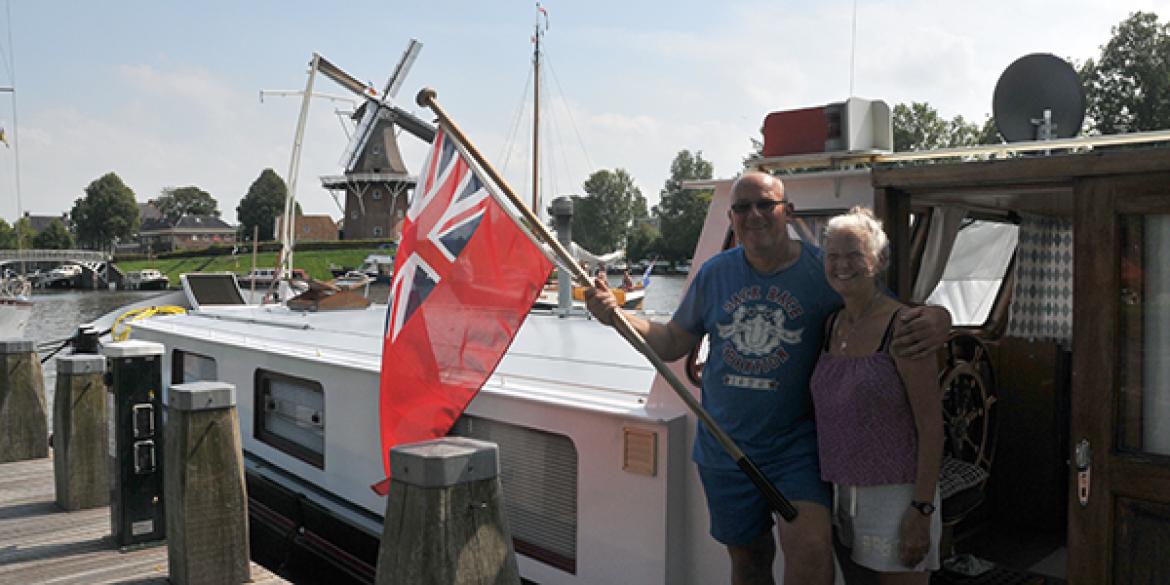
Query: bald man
763,305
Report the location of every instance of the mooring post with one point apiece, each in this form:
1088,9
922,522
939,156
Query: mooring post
445,521
81,467
207,505
24,423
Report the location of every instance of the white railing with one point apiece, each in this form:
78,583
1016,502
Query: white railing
52,256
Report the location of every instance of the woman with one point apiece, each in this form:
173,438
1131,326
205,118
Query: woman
878,415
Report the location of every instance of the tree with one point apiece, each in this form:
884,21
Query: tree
643,240
22,233
7,236
53,237
263,204
1127,89
920,127
106,214
602,217
175,203
681,212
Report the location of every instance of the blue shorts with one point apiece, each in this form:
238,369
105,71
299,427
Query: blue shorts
739,513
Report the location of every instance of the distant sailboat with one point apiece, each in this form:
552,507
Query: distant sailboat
549,298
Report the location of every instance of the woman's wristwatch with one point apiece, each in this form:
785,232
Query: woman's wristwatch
924,508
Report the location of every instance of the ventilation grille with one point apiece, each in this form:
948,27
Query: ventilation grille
640,451
538,471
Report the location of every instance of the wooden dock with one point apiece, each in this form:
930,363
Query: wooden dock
39,543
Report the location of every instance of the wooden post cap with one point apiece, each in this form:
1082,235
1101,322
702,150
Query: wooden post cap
202,395
81,364
10,345
444,462
132,348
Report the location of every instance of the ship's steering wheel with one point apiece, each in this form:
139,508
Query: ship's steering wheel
968,400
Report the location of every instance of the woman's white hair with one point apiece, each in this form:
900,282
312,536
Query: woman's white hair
861,221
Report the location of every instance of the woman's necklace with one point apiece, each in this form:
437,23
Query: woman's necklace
844,335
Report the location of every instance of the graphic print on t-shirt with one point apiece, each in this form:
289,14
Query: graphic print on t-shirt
757,335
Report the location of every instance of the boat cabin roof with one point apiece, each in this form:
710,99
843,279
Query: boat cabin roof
551,359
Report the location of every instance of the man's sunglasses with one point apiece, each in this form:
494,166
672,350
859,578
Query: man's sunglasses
763,206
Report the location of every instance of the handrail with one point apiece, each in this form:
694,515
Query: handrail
53,256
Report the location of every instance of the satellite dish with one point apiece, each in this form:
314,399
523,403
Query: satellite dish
1038,97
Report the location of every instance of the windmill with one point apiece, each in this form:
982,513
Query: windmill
375,179
372,161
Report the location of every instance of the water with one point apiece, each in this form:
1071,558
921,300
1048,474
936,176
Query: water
56,316
663,295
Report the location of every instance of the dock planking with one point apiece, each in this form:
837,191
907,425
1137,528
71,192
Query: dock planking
40,543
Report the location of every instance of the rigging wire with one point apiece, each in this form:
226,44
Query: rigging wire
15,130
554,145
562,147
548,180
550,155
510,141
572,121
4,55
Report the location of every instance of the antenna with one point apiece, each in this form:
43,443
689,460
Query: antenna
1038,97
852,48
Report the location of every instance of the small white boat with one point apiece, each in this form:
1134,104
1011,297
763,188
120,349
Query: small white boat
378,267
265,276
146,279
63,276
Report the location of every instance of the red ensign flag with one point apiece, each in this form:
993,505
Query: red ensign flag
465,278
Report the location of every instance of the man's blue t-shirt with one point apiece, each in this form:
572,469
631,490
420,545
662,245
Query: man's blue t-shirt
765,333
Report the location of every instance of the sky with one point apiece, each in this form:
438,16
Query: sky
166,93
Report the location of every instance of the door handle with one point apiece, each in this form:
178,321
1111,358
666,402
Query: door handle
1083,458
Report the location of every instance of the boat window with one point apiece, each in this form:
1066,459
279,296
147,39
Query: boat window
187,366
1144,348
810,226
975,271
290,415
377,230
538,471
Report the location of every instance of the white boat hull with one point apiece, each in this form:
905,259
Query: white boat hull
627,526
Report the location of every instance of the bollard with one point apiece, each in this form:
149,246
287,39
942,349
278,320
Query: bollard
444,516
207,505
81,468
24,423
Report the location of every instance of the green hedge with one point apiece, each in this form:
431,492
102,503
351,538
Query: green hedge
245,248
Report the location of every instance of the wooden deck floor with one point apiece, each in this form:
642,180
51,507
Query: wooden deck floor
39,543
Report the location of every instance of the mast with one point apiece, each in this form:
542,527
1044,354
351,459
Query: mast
15,136
288,234
536,113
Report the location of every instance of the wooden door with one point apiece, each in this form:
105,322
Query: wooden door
1119,529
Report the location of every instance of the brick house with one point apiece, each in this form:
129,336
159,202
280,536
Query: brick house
191,232
310,228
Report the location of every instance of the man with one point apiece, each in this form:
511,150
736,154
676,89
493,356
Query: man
763,305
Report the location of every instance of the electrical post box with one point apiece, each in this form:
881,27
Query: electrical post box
134,379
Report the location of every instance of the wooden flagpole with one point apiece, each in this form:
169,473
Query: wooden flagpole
426,98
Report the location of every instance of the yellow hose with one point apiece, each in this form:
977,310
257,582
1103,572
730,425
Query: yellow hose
138,315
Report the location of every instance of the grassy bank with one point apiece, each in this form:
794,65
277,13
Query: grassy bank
314,262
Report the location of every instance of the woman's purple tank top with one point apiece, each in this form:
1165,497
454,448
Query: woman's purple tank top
865,428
